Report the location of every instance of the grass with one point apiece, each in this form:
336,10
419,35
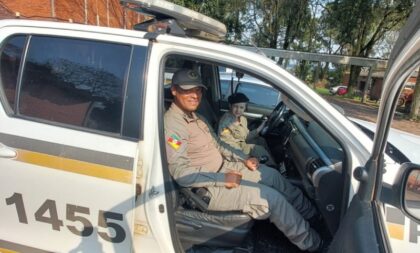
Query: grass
358,99
322,91
353,98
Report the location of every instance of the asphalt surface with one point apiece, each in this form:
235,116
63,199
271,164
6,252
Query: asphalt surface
370,113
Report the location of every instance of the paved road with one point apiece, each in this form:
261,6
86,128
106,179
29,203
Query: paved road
369,113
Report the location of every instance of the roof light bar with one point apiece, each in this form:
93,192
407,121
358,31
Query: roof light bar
193,24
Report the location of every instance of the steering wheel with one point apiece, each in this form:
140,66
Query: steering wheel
275,118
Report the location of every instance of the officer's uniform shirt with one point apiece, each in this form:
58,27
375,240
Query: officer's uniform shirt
194,154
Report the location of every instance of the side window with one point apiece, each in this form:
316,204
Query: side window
259,94
226,82
225,89
11,55
75,82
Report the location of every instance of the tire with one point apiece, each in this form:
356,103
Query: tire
401,101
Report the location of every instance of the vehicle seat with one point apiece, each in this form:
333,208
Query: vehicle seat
196,225
205,109
167,97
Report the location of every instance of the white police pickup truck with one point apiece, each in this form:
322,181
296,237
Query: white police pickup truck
82,148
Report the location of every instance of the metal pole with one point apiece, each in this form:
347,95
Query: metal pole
321,57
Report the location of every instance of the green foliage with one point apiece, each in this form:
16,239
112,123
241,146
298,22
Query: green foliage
322,91
349,27
358,25
335,75
277,24
227,12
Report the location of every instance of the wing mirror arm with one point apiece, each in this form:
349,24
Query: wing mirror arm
405,193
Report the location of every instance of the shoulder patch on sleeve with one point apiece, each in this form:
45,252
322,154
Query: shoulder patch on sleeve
174,141
226,131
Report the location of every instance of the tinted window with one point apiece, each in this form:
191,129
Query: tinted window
10,58
259,94
75,82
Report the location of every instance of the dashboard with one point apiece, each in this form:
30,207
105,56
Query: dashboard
319,160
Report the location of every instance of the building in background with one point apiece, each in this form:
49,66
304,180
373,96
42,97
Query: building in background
107,13
375,88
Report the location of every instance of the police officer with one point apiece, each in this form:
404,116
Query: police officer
233,130
197,159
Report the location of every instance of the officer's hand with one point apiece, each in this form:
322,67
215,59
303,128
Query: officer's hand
252,163
232,179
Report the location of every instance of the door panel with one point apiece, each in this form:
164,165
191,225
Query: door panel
357,230
68,169
59,197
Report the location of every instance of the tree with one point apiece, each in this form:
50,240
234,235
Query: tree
351,27
263,22
360,24
277,23
228,12
415,106
285,24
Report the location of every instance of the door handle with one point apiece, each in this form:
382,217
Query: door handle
6,152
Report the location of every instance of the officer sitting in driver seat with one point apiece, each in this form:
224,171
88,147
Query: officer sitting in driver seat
197,159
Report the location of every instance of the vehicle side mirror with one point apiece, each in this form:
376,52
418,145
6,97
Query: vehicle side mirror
412,194
405,193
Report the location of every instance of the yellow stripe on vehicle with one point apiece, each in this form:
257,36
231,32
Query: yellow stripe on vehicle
396,231
7,251
75,166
